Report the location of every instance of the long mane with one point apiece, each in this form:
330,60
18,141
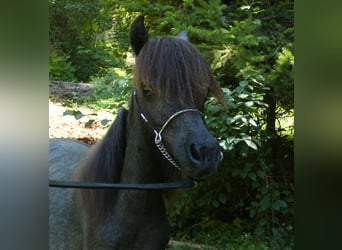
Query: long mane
103,164
174,68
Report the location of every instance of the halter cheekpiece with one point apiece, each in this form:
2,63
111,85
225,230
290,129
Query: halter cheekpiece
158,134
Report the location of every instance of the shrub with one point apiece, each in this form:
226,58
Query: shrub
248,187
60,67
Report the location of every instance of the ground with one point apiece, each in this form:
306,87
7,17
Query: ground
67,126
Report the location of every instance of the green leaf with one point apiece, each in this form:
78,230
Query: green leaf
256,21
237,117
249,104
243,174
229,121
68,112
252,213
89,123
243,96
104,122
252,122
202,201
251,144
244,7
262,222
78,115
215,203
265,203
238,89
243,83
259,230
279,204
222,198
261,174
249,166
252,176
95,26
228,145
232,105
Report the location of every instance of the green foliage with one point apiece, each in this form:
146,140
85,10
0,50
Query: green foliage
60,68
112,89
247,185
202,20
88,61
79,29
111,92
240,121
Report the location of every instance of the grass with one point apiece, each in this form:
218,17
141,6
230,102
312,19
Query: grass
215,234
244,241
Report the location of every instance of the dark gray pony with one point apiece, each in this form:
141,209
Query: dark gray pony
161,138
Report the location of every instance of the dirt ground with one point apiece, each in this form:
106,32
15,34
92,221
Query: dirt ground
67,126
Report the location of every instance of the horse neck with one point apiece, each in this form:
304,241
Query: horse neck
143,162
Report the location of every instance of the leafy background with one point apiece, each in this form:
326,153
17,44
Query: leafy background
249,45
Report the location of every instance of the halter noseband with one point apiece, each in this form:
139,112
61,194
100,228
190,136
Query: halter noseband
158,138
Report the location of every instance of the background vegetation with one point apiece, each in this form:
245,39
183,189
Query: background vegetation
249,44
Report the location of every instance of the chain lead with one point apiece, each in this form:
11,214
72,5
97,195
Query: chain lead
166,154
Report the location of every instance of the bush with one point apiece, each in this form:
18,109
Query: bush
60,67
249,188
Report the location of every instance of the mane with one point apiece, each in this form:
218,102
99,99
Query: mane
174,68
103,164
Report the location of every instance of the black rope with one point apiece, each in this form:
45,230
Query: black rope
99,185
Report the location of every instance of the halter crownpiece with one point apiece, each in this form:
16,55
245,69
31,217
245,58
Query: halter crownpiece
158,139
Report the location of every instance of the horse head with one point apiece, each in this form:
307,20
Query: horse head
171,84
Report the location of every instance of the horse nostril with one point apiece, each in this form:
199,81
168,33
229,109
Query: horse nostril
195,152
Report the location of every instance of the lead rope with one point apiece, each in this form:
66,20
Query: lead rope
158,139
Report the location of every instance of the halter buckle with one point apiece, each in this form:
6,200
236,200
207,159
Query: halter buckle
158,138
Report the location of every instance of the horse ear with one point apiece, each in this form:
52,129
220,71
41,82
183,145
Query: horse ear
138,34
183,35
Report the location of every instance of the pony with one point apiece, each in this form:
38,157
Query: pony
161,138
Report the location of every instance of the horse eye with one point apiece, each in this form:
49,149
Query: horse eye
147,91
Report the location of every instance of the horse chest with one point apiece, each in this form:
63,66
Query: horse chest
149,239
131,226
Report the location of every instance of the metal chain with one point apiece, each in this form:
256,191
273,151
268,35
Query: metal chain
158,139
160,145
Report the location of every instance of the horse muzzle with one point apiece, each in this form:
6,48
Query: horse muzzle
204,159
